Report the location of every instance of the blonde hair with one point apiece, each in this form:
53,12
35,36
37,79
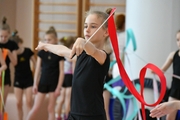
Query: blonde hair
103,15
52,30
68,41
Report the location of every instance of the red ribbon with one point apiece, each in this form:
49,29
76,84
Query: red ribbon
124,76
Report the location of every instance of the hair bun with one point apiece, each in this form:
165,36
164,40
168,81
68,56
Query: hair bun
108,11
4,20
52,28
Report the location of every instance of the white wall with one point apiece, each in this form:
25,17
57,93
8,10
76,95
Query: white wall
24,21
155,24
8,9
19,15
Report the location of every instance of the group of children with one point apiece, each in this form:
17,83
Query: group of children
58,72
53,73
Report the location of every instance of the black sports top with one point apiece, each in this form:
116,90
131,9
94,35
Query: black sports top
50,67
10,45
23,69
176,70
87,86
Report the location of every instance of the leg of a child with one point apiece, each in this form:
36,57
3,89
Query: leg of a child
51,106
6,91
172,115
106,95
19,93
28,93
60,102
67,101
37,104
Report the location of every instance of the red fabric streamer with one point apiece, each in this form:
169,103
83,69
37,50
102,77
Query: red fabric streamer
125,77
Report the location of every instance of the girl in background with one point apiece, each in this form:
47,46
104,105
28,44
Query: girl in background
120,20
174,95
23,80
50,68
69,65
12,47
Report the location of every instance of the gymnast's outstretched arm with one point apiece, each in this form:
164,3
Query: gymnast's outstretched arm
60,50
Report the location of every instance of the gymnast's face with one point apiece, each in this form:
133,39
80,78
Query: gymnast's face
50,38
4,36
91,24
178,39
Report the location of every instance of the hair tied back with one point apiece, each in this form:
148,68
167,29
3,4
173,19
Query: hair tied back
108,11
65,38
14,33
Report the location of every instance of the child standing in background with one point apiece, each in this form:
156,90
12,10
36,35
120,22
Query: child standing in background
92,66
120,21
50,68
23,80
12,47
69,65
174,59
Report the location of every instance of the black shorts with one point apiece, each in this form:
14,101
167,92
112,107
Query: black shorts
46,88
67,80
175,90
23,84
82,117
175,93
7,80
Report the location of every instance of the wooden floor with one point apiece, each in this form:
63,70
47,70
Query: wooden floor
11,109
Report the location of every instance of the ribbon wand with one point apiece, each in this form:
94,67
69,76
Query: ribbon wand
112,12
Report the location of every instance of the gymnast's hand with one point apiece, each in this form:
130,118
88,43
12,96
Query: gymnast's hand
57,92
163,109
41,46
78,47
34,89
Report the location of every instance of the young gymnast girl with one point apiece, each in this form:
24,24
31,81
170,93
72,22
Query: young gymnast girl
12,47
23,80
91,68
50,70
173,58
69,65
